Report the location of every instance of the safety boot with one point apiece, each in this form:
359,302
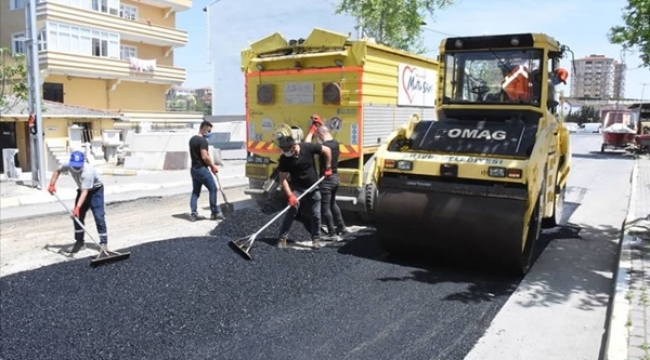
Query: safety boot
316,243
343,231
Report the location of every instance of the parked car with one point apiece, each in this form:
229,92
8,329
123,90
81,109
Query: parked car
593,128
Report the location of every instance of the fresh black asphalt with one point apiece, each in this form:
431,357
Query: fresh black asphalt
194,298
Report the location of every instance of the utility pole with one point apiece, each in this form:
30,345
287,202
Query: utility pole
641,102
34,88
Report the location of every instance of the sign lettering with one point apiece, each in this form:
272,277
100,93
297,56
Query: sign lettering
477,134
450,158
416,86
299,93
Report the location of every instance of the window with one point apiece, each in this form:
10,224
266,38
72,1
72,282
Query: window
83,41
42,40
508,76
127,52
53,92
16,4
106,6
18,43
129,12
100,47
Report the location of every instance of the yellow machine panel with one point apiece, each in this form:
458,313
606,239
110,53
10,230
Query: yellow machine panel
362,91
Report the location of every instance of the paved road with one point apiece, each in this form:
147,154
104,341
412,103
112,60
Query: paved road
559,310
196,299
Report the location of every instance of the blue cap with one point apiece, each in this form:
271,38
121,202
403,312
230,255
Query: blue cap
77,159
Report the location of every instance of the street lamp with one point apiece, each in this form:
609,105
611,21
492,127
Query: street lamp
33,86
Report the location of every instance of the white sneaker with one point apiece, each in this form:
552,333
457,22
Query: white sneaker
332,238
317,244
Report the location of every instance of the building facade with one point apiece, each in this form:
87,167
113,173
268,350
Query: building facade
114,55
598,77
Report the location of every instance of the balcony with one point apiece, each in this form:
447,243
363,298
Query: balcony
129,30
105,68
174,5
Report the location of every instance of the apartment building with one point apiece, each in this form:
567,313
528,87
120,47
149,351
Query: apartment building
114,55
598,77
619,80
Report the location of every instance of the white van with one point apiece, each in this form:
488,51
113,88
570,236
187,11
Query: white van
591,127
572,127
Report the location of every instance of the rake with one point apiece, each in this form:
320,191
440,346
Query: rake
243,246
105,256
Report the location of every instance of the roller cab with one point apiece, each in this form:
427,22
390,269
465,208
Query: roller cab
483,179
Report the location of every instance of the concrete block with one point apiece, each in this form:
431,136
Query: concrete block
133,162
175,160
111,137
160,141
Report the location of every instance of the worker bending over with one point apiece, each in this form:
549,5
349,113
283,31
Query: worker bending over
328,188
90,195
297,163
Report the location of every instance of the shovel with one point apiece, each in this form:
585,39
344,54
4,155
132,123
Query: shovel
243,246
226,208
104,256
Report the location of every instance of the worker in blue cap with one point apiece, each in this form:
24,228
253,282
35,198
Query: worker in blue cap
90,195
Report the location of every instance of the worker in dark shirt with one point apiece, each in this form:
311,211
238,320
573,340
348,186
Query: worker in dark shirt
297,163
201,176
328,188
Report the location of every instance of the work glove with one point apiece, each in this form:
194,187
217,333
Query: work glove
313,129
293,201
76,212
328,172
51,189
316,121
214,169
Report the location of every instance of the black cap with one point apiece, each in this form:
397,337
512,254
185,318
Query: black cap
284,141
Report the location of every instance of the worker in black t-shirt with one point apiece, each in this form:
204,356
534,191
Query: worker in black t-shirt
201,176
328,188
297,162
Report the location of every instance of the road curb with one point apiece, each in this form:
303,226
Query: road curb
12,202
118,172
618,329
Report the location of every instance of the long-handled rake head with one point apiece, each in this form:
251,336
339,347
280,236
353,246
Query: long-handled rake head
243,246
105,256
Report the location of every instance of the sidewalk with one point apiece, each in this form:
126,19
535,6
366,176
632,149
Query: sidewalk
628,336
22,201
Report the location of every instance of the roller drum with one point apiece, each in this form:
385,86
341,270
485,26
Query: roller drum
453,221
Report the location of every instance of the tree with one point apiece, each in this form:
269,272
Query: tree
636,31
585,114
395,23
13,79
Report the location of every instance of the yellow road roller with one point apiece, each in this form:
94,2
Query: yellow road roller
485,177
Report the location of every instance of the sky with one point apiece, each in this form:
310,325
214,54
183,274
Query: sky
575,23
